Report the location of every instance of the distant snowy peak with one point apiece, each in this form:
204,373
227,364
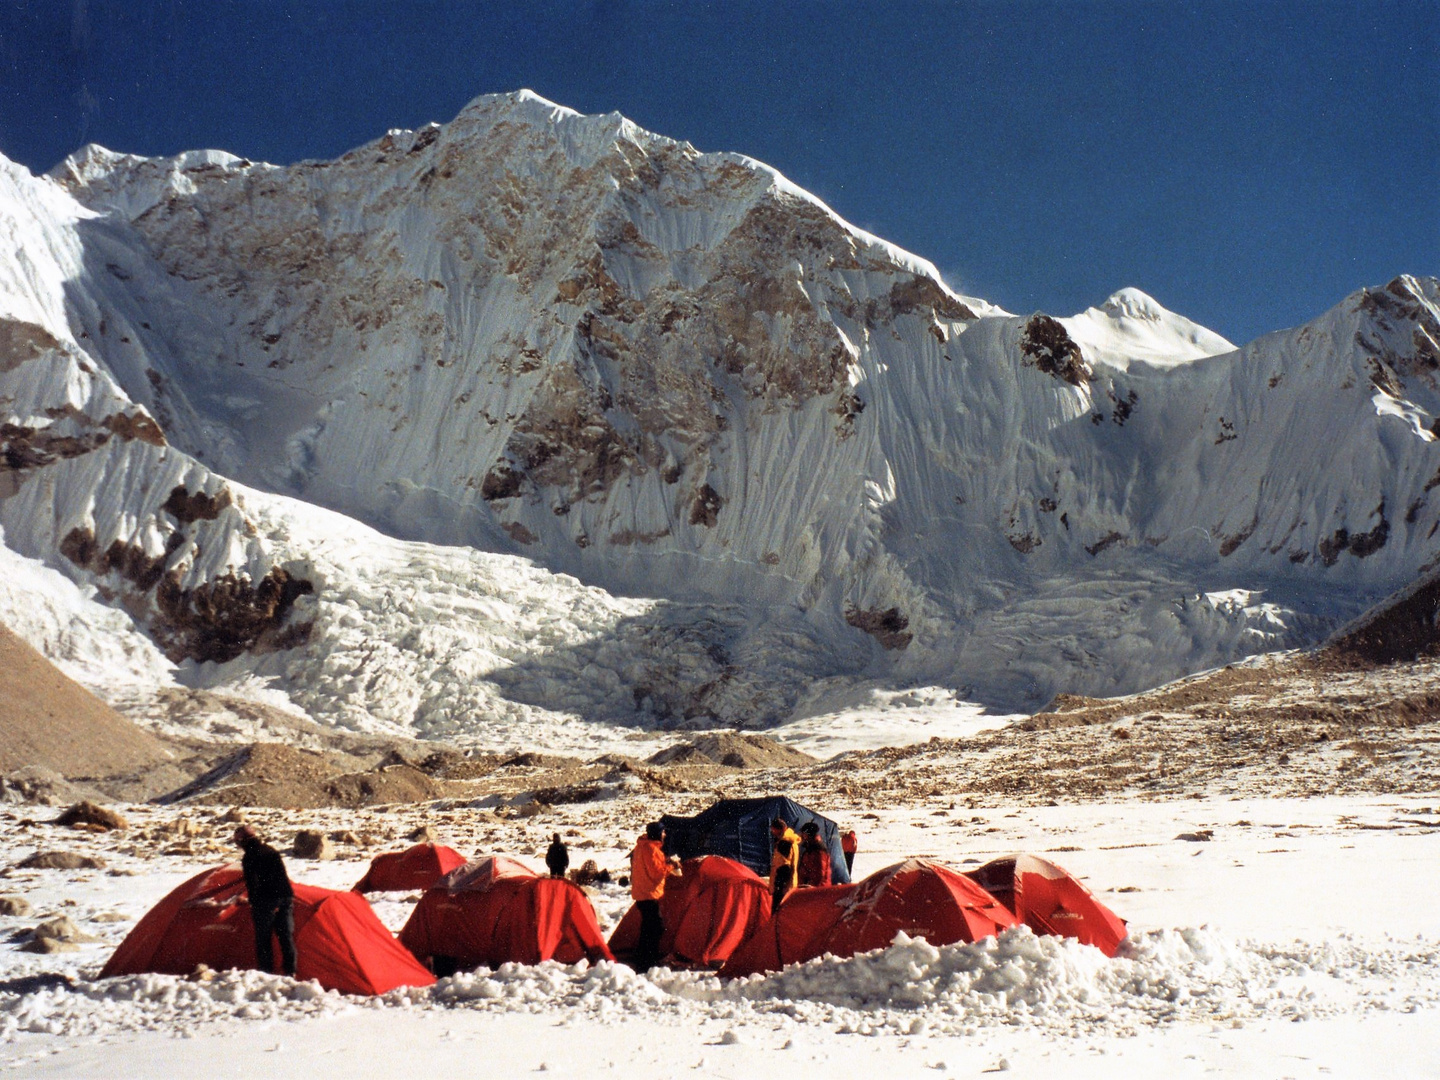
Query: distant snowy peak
1132,326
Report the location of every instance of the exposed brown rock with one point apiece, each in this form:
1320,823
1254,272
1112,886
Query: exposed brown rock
1046,346
60,860
501,482
24,448
1360,545
217,620
21,341
136,426
89,813
378,787
925,294
888,627
705,507
518,532
186,507
46,946
313,844
16,907
227,616
274,774
1109,540
733,750
1024,543
626,537
1230,544
62,928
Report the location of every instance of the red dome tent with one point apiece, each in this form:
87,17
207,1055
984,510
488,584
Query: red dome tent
708,911
922,898
339,941
418,867
496,910
1049,901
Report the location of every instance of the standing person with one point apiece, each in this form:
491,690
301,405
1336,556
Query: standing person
784,860
556,857
272,900
649,870
847,846
814,857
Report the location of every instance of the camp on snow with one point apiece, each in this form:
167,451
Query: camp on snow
917,896
416,868
713,906
340,942
497,910
739,829
1049,901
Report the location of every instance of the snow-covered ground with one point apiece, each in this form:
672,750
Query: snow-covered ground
1298,940
837,715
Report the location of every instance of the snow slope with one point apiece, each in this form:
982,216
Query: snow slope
678,377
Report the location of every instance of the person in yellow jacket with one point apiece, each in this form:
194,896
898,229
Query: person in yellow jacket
784,860
649,869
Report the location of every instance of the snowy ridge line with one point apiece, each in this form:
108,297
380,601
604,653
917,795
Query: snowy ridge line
910,988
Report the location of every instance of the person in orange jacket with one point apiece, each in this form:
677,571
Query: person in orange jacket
649,869
848,844
784,860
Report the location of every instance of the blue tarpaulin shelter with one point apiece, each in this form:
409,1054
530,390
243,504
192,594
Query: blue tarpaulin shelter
739,829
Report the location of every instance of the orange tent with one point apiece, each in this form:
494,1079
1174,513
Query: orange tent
1049,901
496,910
920,897
708,911
338,940
418,867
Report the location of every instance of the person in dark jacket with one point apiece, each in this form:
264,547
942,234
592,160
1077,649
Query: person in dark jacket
272,901
784,871
557,858
814,857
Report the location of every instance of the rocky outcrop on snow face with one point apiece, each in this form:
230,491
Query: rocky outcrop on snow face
88,480
675,375
92,492
1047,346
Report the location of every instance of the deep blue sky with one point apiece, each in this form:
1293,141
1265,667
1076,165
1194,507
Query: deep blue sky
1248,164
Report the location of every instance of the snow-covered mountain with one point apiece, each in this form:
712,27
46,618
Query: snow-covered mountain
676,377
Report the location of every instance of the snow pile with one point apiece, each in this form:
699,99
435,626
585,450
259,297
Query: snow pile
602,989
1054,982
157,1003
909,988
